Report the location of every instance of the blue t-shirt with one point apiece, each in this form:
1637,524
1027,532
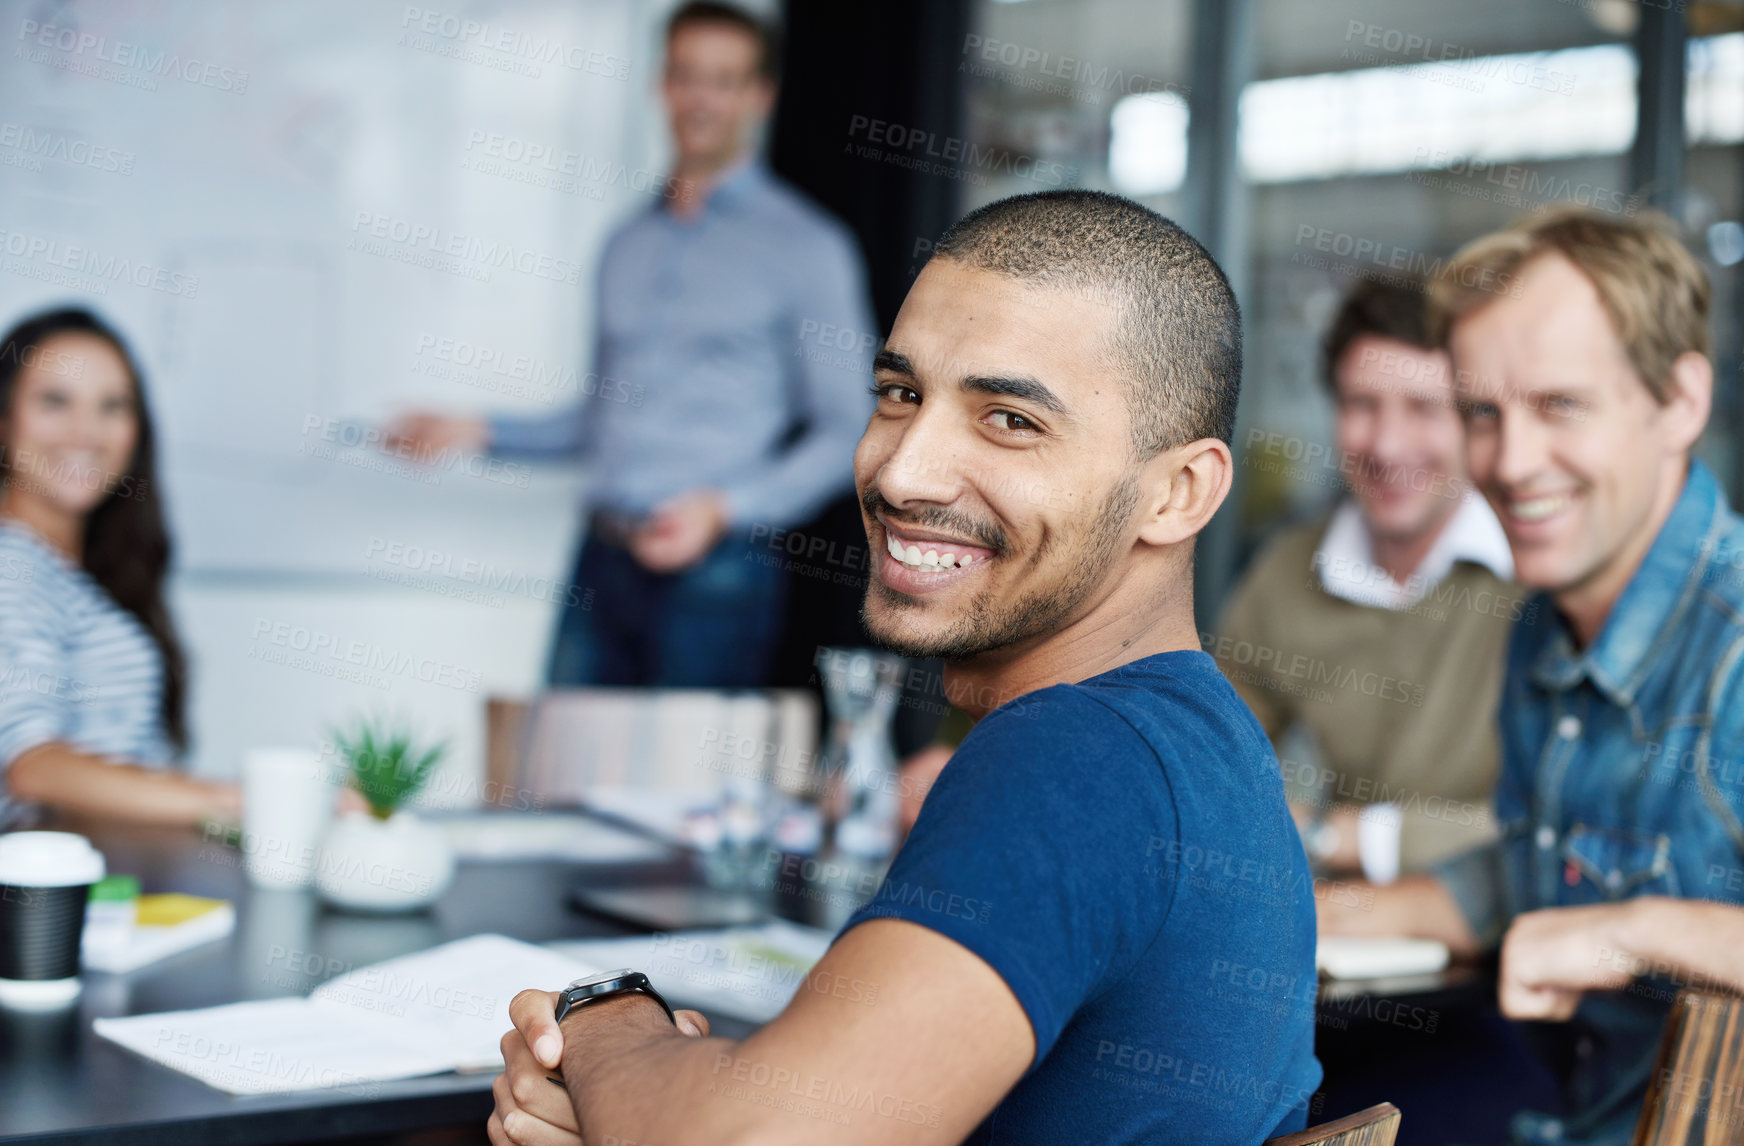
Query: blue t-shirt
1120,852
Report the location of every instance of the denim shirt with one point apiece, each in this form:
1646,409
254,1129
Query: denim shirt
1622,775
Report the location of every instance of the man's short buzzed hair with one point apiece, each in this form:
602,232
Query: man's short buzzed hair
1178,336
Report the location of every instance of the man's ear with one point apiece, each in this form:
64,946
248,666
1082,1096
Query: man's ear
1691,399
1184,487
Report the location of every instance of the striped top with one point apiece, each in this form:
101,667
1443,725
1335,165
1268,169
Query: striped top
74,665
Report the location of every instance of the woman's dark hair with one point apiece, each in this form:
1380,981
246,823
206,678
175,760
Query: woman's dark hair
126,546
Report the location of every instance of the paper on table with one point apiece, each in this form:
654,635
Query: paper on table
748,972
456,994
661,811
582,839
438,1010
1353,957
278,1045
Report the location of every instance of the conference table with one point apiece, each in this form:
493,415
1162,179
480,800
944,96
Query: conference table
60,1082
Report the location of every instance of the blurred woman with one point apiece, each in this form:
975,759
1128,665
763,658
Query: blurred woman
92,679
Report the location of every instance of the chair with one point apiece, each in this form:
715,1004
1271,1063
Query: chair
505,732
571,745
1696,1094
1376,1126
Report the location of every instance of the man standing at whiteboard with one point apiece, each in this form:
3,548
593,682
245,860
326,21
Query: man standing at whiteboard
734,346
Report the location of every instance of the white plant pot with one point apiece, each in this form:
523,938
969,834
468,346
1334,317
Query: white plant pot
397,864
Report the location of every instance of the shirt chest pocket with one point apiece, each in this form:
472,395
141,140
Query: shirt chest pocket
1602,865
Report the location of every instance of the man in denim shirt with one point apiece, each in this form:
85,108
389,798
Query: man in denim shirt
1580,349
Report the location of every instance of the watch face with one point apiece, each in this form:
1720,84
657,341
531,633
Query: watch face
602,977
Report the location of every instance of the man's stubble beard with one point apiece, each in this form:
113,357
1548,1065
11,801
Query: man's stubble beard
984,626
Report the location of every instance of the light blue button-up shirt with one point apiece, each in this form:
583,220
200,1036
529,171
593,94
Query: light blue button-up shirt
734,353
1623,775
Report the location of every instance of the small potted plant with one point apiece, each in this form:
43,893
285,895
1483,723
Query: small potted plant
384,858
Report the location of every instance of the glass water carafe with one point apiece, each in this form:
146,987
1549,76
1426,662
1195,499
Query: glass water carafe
861,689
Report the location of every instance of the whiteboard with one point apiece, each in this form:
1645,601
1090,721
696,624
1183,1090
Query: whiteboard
307,215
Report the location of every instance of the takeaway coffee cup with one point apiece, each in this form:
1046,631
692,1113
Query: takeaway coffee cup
45,878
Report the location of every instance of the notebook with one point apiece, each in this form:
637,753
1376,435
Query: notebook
439,1010
164,925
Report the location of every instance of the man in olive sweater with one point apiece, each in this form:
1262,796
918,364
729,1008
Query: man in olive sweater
1379,630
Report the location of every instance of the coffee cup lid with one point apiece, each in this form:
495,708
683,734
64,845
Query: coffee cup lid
48,859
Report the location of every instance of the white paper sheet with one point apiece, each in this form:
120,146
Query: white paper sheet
1352,957
279,1045
438,1010
749,973
579,839
659,811
456,995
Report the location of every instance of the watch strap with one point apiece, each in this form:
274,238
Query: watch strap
566,1005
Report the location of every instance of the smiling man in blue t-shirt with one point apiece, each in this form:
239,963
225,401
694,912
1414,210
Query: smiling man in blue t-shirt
1101,928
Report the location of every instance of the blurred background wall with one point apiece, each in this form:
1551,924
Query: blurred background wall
340,215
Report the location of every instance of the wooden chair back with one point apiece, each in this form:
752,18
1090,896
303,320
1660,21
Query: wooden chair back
1376,1126
1696,1095
505,735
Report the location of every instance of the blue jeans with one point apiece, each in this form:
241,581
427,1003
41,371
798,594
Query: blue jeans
713,625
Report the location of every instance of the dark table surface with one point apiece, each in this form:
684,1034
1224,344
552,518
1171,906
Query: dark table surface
60,1082
1437,1047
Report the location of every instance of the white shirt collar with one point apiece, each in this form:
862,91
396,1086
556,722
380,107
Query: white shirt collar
1345,559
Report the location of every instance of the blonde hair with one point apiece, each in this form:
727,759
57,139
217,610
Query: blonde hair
1654,291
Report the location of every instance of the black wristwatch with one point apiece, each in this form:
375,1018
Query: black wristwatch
608,985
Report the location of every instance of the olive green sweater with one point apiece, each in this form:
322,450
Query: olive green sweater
1400,704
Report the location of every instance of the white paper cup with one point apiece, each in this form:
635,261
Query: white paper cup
287,801
1377,841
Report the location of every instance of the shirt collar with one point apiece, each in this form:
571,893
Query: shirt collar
1643,622
1346,556
737,183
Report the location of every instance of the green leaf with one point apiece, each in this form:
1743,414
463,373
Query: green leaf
387,767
